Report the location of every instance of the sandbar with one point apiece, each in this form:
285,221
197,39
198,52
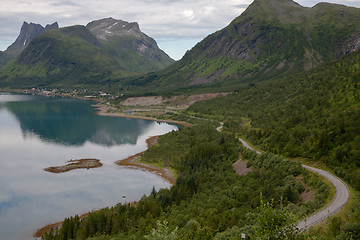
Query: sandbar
75,164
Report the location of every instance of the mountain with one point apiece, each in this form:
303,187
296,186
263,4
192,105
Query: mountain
313,115
27,33
133,49
77,56
69,56
271,38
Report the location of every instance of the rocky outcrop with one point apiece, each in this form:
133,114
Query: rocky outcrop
28,32
106,28
352,44
126,39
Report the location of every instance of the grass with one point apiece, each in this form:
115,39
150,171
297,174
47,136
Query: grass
160,166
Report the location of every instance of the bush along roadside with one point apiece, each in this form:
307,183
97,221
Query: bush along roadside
209,200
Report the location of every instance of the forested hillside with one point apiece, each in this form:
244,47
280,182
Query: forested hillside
315,114
209,200
293,78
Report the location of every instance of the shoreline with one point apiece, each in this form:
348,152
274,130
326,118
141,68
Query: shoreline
129,162
101,111
41,232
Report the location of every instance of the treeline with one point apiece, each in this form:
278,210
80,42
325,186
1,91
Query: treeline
315,114
209,200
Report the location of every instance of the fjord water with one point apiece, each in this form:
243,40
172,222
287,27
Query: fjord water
39,132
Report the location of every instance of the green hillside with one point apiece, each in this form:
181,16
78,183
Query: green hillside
88,57
271,38
7,56
69,56
315,115
294,74
124,50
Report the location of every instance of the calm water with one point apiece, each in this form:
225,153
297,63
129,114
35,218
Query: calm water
38,132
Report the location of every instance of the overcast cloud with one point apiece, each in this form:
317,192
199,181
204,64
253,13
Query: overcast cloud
176,25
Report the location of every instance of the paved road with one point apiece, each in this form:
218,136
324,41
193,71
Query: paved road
220,127
241,140
340,199
247,146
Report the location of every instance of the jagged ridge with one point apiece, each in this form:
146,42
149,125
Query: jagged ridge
79,55
69,56
27,33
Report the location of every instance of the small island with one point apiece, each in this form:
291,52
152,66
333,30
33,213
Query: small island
75,164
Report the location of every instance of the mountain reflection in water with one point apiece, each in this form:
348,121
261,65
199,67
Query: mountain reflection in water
39,132
58,121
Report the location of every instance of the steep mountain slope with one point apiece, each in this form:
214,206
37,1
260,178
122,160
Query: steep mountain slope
27,33
271,38
133,49
69,56
77,56
314,115
7,56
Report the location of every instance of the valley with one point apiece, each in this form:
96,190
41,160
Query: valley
281,79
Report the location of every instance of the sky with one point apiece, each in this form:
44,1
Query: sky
176,25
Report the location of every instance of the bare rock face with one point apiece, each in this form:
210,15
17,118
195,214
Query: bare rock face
106,28
126,39
352,44
109,28
55,25
28,32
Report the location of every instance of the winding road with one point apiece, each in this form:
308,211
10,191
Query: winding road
341,196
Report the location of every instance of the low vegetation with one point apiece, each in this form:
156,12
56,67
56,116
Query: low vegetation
209,200
313,115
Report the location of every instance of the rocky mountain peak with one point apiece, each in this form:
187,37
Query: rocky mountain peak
126,38
28,32
108,27
55,25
